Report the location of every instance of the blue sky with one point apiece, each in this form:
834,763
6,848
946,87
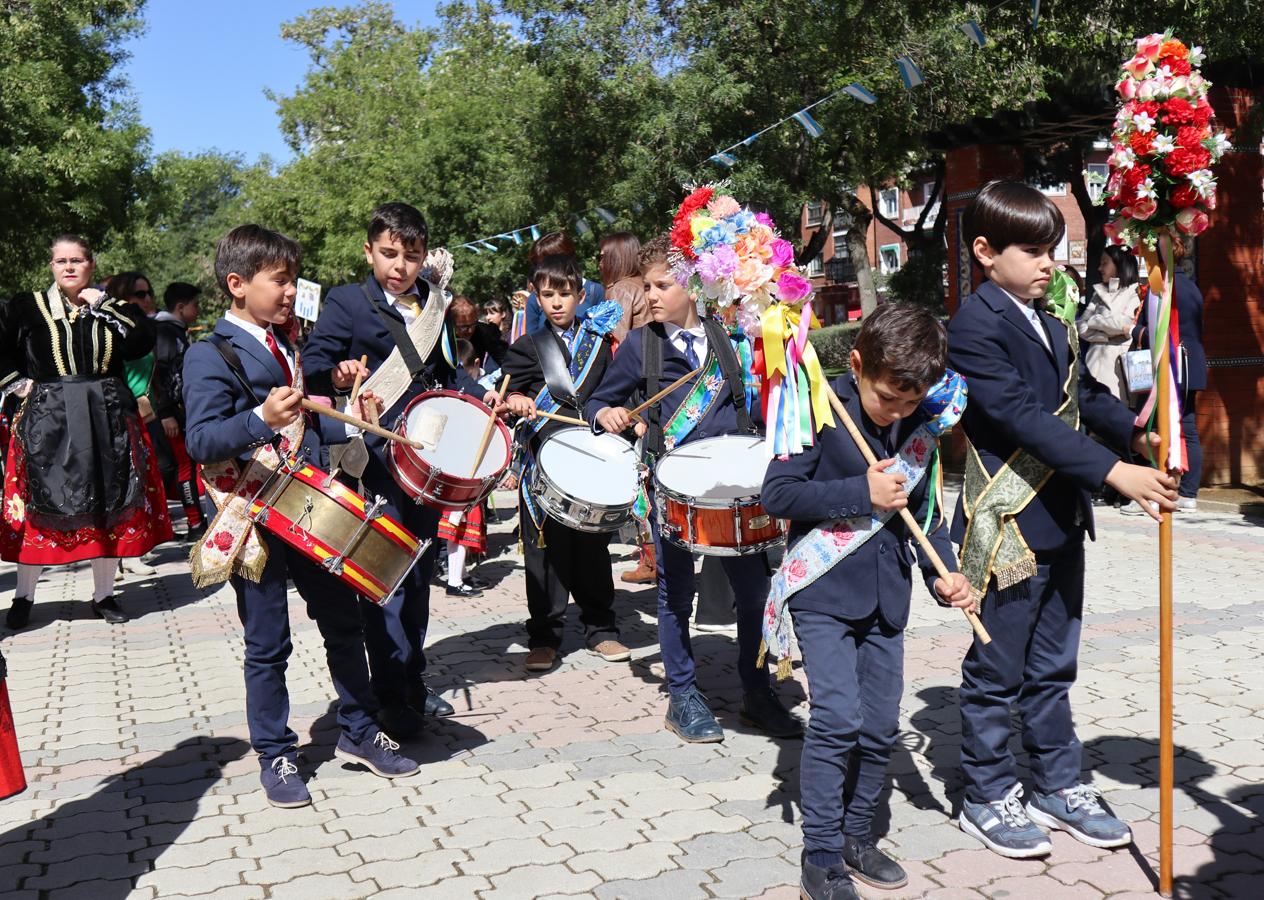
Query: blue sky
199,71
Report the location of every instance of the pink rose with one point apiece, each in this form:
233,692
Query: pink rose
751,274
1149,46
792,287
841,537
796,570
782,253
1139,66
1127,88
722,207
763,219
1143,209
1147,91
1192,221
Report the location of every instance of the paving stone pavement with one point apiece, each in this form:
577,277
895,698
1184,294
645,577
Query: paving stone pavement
142,783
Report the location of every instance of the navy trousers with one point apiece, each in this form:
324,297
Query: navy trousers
265,618
1031,662
1193,447
395,634
855,675
749,578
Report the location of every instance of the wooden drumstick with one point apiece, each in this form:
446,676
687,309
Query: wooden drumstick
321,409
556,418
487,431
841,411
355,388
665,391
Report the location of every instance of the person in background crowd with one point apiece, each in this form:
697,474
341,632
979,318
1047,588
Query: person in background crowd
465,534
172,328
81,483
1109,314
557,243
621,275
496,312
488,343
134,287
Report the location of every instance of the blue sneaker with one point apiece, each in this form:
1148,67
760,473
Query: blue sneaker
281,782
1078,811
377,754
689,716
1004,828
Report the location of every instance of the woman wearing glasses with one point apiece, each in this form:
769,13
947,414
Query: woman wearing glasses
81,482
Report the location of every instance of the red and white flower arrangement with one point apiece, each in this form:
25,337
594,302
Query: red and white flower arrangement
1163,145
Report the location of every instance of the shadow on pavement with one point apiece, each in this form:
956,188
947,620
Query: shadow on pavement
114,836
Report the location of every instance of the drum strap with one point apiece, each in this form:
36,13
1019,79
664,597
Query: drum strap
553,365
652,341
225,348
718,338
399,334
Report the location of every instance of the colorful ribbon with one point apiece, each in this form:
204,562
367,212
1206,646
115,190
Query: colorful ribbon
796,404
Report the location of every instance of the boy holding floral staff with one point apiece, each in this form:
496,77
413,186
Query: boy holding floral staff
1021,521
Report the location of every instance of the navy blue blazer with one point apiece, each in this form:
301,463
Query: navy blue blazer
623,379
220,422
828,481
349,328
1015,386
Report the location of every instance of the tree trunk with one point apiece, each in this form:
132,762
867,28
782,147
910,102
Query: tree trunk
1094,216
860,218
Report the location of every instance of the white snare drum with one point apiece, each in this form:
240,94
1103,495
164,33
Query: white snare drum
586,481
707,496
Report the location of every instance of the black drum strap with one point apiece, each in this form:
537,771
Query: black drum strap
553,365
399,334
652,339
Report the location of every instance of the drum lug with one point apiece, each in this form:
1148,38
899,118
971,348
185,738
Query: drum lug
374,509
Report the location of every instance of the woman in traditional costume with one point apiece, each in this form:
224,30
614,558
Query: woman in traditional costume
81,483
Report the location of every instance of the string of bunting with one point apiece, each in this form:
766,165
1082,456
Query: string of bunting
910,74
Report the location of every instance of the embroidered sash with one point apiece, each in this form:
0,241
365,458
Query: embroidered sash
829,543
993,546
232,543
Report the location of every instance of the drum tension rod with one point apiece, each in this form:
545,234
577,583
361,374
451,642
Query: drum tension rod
371,512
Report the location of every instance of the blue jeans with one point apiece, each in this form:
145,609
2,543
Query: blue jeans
265,619
855,675
749,578
1193,447
395,634
1031,662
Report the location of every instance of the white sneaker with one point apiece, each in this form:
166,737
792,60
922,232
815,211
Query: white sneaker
137,566
1187,504
1132,509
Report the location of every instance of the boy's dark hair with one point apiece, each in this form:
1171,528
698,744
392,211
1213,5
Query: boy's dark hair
903,343
553,243
180,292
403,222
464,351
1009,212
249,249
654,252
558,272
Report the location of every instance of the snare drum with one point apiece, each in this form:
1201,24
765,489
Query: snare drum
586,481
707,496
334,526
451,426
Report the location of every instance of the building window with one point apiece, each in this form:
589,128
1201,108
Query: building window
889,200
889,258
815,267
841,250
1061,252
816,213
1095,179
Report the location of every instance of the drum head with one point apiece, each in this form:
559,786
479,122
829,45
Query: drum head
462,431
595,468
719,468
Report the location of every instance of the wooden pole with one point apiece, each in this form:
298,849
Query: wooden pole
843,416
487,431
1166,743
323,410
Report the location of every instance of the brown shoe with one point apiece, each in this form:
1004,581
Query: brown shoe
612,651
541,659
645,572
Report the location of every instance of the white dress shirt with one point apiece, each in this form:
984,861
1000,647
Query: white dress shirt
1033,317
675,334
405,308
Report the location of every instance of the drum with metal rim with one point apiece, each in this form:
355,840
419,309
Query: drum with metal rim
586,481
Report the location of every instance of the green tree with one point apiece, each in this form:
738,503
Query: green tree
71,145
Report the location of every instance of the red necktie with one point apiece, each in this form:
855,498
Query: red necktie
279,356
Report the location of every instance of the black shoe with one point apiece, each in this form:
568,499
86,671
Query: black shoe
762,710
402,722
826,884
428,703
109,610
464,590
195,533
871,866
19,613
689,716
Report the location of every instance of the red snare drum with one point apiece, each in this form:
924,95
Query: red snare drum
707,494
451,426
332,525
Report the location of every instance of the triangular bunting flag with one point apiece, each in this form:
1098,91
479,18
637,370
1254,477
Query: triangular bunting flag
974,33
535,232
1035,14
728,160
605,215
810,125
860,92
909,72
582,226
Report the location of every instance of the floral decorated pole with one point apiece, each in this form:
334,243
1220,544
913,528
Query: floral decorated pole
1160,184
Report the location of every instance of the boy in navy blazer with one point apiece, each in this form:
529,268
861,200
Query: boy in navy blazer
850,617
361,320
685,341
227,423
1021,524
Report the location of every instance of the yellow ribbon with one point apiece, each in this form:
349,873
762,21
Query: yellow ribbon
780,324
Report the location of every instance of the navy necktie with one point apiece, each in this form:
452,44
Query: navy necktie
691,356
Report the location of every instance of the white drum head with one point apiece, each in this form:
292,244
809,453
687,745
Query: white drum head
728,467
461,435
595,468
